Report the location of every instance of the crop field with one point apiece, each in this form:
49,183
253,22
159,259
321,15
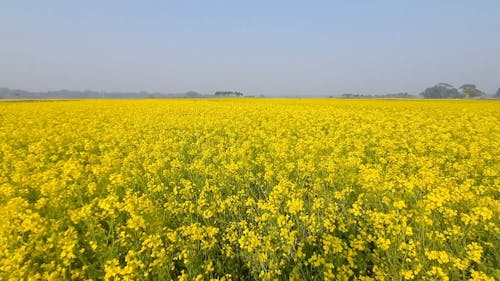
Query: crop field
250,189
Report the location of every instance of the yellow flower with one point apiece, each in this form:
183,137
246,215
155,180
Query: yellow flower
295,206
383,243
273,189
407,274
479,276
474,252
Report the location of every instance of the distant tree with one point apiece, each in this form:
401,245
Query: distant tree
442,91
498,93
193,94
446,85
470,91
228,94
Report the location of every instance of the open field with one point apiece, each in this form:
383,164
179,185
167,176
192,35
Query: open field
248,189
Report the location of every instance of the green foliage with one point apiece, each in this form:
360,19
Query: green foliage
442,91
470,91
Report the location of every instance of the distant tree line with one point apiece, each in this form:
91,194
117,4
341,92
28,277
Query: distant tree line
228,94
439,91
6,93
395,95
447,91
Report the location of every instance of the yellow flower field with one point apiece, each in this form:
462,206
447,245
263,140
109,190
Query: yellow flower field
250,189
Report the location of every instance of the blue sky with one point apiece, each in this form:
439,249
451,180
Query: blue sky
257,47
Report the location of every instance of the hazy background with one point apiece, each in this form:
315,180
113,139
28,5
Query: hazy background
256,47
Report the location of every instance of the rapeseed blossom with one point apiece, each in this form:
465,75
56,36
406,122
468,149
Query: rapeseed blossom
231,189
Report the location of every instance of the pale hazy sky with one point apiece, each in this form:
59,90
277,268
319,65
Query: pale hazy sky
257,47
